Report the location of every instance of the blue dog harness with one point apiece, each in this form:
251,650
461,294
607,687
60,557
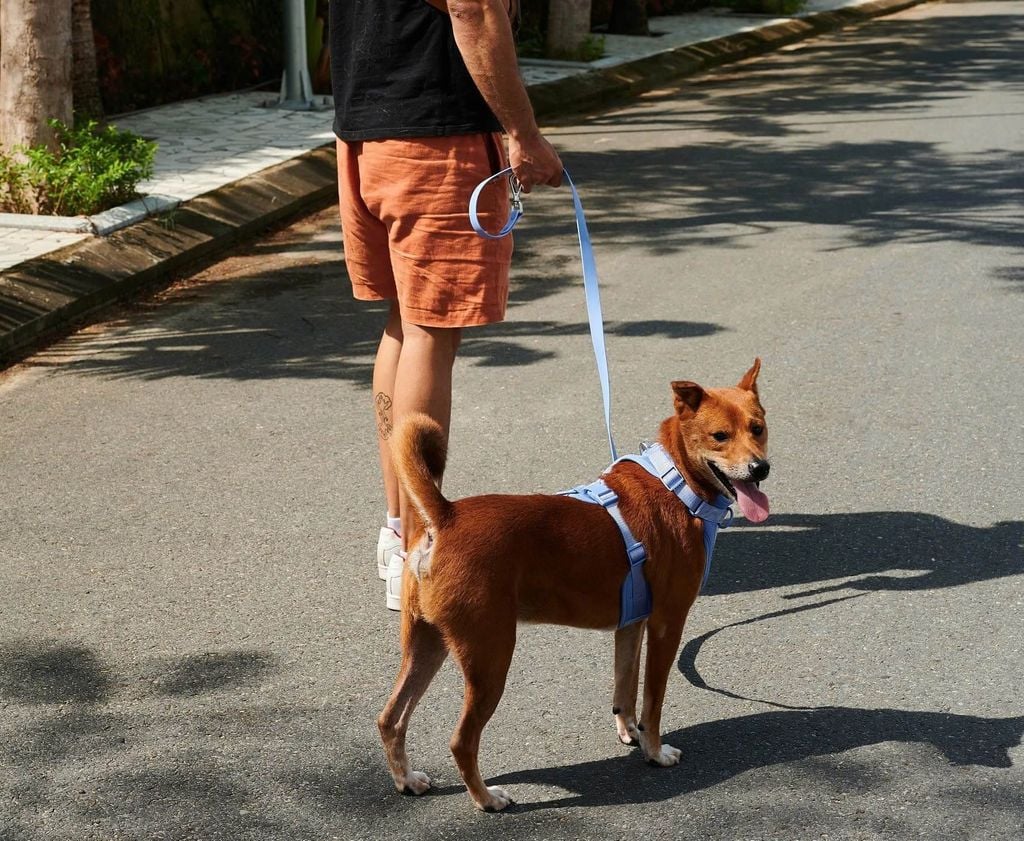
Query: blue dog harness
636,603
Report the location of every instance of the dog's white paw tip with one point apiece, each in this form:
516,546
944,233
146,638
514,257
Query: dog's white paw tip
625,729
497,800
670,755
667,757
416,783
629,736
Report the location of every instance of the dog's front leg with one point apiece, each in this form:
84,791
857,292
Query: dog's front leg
627,678
662,645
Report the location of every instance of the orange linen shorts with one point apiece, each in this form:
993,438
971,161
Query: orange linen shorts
405,225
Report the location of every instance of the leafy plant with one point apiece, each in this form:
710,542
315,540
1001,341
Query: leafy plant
15,193
591,49
94,168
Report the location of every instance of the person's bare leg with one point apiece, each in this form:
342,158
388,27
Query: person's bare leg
384,368
423,380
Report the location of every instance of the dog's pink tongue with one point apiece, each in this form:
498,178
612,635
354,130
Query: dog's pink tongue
753,503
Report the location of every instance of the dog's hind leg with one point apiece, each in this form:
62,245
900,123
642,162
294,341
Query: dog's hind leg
627,678
423,652
662,644
485,668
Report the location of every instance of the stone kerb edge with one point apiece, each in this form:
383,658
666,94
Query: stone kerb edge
48,293
100,224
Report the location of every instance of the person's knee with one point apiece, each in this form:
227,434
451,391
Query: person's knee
438,341
395,328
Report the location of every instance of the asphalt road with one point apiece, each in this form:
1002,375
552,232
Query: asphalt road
194,642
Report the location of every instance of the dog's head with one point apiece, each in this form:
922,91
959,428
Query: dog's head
724,436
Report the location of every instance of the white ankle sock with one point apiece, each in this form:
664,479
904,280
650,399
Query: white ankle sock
395,524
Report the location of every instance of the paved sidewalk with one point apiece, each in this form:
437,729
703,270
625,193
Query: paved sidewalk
216,143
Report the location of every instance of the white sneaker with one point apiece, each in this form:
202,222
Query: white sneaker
387,544
393,581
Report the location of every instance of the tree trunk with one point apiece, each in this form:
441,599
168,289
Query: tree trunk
85,86
35,70
568,27
629,17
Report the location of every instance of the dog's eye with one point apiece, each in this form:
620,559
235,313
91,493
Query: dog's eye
757,429
720,436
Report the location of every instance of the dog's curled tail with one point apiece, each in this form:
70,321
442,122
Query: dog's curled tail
418,450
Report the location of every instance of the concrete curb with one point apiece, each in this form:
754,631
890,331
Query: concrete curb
45,296
100,224
49,294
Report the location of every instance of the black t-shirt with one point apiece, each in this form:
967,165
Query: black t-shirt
396,72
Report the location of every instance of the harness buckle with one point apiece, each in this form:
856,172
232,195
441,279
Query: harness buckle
672,479
636,553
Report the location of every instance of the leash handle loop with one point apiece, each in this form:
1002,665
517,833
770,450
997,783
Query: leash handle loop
590,280
515,214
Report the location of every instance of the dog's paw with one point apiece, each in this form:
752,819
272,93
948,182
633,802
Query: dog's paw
627,732
497,799
415,783
666,757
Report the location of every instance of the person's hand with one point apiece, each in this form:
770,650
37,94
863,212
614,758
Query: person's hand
534,161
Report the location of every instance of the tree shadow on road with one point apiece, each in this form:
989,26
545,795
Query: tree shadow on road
768,166
858,74
172,749
772,165
301,322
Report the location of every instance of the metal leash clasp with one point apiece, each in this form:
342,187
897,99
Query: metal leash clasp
516,186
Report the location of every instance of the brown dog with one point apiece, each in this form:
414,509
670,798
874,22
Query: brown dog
479,565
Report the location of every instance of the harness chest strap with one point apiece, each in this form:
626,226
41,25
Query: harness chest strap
635,599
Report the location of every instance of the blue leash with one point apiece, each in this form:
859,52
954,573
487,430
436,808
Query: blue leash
590,284
635,596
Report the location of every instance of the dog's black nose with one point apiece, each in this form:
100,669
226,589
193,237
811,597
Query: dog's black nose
759,469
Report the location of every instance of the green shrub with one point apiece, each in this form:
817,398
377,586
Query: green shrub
93,169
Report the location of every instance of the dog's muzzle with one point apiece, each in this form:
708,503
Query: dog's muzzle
759,469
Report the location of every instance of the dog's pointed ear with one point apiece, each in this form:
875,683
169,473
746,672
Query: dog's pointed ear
688,396
749,381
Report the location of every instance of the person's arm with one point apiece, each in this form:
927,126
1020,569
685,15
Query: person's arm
483,35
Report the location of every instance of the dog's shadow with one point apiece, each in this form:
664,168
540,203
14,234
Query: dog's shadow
864,552
717,751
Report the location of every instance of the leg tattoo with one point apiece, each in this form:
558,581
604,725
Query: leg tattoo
382,403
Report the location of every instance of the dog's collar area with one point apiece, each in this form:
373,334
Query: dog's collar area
656,461
635,599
